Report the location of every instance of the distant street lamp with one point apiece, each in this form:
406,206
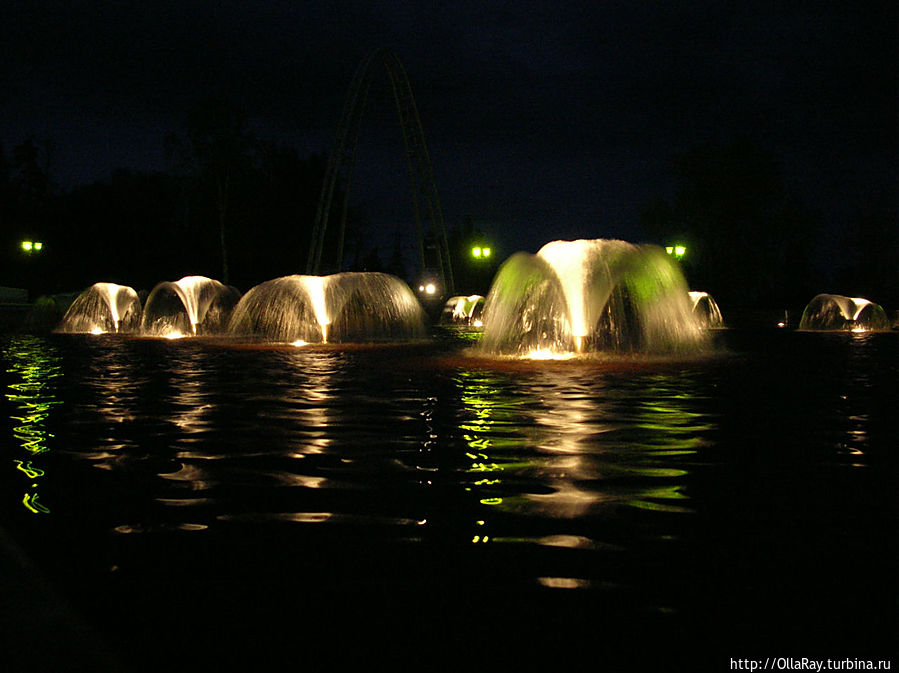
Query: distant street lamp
677,251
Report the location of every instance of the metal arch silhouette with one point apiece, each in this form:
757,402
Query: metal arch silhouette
426,204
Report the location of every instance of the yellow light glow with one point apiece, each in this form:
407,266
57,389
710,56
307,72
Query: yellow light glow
485,252
547,354
670,249
430,288
475,252
27,246
38,246
299,342
477,323
679,251
30,501
173,335
97,330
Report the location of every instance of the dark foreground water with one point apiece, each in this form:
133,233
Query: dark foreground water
198,504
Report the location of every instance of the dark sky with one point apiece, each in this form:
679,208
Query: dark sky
543,119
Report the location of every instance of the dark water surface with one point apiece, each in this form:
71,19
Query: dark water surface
199,503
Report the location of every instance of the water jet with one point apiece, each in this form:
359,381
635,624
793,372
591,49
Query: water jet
103,308
706,310
463,311
834,312
191,306
589,296
343,308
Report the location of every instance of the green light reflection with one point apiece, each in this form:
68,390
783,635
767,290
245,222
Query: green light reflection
34,364
567,443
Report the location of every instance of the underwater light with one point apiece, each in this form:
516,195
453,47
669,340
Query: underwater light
547,354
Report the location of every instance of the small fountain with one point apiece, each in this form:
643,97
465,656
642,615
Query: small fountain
706,310
103,308
590,295
344,308
463,311
188,307
833,312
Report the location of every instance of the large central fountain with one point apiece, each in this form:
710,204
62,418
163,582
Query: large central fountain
589,296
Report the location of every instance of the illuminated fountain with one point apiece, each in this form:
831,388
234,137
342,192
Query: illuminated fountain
463,311
706,310
345,307
102,308
590,295
188,307
827,312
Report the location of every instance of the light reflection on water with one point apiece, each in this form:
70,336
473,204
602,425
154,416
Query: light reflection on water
33,365
561,476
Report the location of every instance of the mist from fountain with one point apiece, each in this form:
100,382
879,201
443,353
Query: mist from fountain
590,296
191,306
833,312
103,308
706,310
351,307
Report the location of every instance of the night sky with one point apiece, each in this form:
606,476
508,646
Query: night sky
544,119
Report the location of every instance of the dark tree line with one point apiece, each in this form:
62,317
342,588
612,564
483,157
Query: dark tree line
750,244
230,206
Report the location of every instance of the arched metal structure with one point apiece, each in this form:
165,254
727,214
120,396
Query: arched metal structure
425,203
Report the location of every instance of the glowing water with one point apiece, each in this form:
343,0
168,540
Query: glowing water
836,312
706,309
345,307
463,310
102,308
590,295
190,306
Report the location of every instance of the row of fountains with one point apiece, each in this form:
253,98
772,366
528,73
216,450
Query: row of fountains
571,297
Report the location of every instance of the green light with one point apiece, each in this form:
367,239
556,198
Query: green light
38,246
30,501
677,251
27,245
485,252
476,252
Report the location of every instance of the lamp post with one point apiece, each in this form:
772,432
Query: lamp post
31,249
678,251
481,252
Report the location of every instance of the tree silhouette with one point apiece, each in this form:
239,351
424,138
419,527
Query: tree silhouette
218,157
747,243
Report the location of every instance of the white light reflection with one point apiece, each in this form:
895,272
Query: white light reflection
578,452
564,582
